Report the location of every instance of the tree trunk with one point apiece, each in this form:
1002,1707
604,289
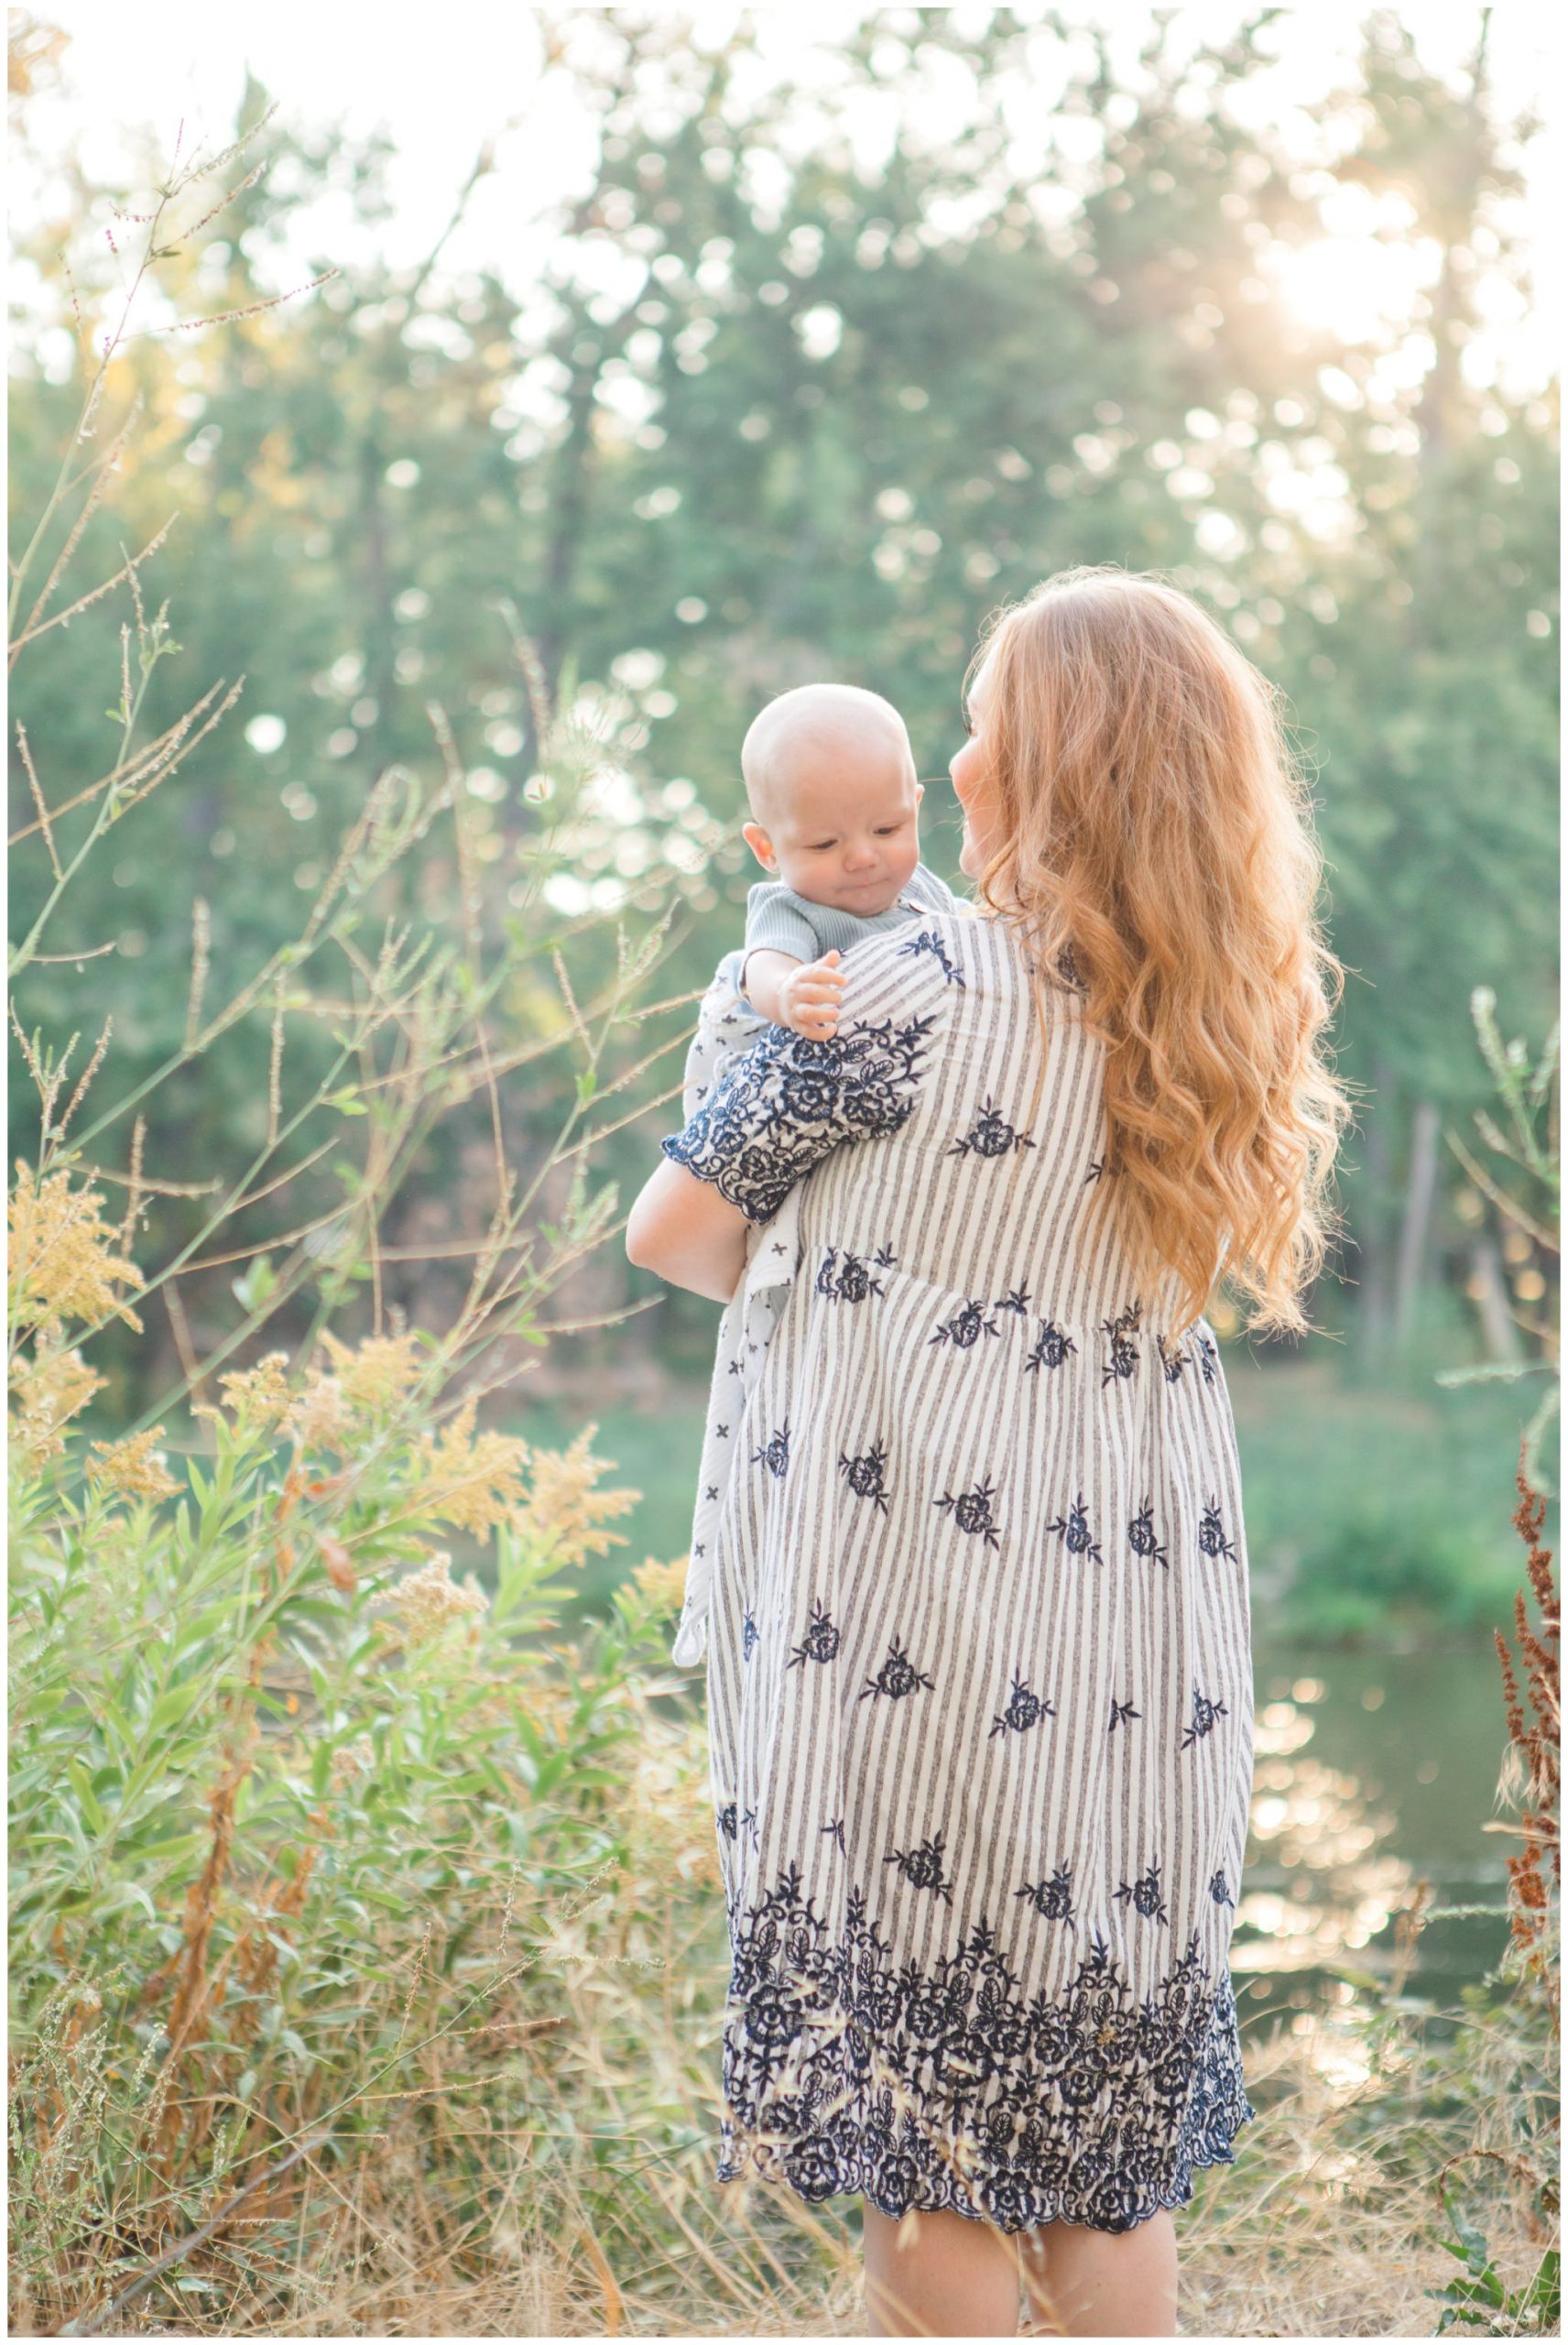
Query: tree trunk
380,679
1372,1222
1421,1188
1489,1290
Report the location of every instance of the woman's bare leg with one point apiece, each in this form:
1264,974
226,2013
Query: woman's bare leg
938,2274
1085,2283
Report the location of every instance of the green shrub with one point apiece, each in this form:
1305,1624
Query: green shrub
314,1844
1388,1564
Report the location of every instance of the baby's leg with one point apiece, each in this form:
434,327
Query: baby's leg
726,1025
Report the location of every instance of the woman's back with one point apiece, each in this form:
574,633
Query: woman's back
986,1192
979,1680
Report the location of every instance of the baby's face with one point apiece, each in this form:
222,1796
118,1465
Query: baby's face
846,830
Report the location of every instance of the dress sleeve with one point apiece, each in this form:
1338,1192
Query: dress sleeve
788,1102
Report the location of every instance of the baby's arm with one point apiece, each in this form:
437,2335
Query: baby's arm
802,995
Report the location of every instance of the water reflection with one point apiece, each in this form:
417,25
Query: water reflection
1344,1826
1320,1882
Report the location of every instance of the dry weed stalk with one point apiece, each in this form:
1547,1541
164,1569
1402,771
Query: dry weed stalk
193,1987
134,775
1537,1742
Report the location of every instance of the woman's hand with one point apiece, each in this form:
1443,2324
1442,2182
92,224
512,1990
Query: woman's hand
685,1230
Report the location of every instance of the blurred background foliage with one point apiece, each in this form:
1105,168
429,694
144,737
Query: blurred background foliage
773,413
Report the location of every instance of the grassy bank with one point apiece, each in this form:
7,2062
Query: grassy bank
518,2137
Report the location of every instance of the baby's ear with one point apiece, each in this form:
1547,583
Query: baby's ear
761,845
919,792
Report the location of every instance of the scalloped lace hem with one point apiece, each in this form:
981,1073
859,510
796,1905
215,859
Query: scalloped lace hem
996,2195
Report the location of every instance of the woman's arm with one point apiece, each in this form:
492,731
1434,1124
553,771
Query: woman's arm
784,1104
681,1227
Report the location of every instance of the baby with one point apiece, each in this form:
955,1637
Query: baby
834,807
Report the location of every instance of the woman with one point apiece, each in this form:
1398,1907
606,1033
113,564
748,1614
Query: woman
979,1678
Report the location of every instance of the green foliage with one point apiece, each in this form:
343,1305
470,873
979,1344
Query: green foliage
1527,1092
765,423
303,1832
300,1828
1480,2300
1389,1562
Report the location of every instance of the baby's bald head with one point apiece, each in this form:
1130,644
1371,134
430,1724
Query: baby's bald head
815,730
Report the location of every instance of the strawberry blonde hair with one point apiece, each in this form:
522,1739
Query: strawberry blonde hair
1155,825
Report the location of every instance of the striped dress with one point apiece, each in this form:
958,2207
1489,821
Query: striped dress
977,1626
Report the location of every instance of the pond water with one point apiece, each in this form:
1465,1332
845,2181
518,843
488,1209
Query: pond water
1374,1770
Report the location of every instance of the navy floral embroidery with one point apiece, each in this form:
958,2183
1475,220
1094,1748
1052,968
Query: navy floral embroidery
851,1280
1093,2105
774,1453
966,1327
1018,1301
751,1637
1052,1348
786,1100
922,1867
820,1641
865,1476
1171,1362
1069,970
1025,1709
1123,1353
1142,1537
898,1677
1204,1713
1121,1712
1206,1358
1146,1895
972,1512
1219,1890
833,1831
727,1824
990,1135
1052,1899
1076,1531
927,941
1211,1540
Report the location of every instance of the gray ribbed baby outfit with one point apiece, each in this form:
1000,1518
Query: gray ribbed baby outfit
782,922
976,1607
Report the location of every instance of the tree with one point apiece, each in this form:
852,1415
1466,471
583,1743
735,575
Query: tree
772,418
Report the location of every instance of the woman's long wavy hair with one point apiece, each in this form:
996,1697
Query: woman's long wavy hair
1154,822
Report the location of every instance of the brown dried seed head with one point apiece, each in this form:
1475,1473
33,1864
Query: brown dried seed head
338,1563
134,1468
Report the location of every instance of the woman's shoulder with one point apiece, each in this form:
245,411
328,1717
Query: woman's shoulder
893,978
943,959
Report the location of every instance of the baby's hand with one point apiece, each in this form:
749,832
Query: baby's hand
808,998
